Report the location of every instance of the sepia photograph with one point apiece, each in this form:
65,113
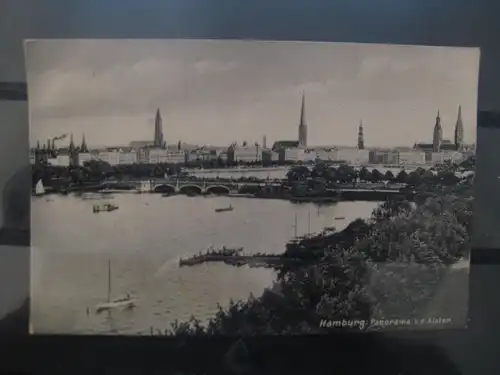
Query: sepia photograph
236,187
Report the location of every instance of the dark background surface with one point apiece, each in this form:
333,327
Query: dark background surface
432,22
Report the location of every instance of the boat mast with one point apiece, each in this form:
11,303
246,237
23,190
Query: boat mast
295,226
309,223
109,280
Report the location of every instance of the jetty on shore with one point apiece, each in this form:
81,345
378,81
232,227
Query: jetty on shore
234,260
232,256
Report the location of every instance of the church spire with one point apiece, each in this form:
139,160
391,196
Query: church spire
361,140
303,125
437,136
158,136
84,147
459,130
71,143
303,110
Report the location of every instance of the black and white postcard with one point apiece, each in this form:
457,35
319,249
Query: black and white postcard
225,187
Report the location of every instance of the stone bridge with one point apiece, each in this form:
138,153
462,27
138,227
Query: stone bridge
223,187
199,186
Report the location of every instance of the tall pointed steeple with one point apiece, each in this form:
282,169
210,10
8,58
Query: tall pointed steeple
303,124
84,147
437,136
38,145
459,130
71,144
303,110
158,136
361,139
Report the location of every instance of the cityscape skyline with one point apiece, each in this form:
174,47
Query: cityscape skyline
83,87
157,141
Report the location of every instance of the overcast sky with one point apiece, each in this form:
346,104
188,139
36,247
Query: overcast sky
216,92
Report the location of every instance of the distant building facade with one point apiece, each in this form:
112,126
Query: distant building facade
127,156
61,160
410,157
270,157
110,157
292,155
353,156
327,154
248,153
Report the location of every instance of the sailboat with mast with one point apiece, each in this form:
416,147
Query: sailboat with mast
39,188
125,302
296,237
295,229
295,241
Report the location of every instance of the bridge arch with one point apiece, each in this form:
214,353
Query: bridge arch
218,190
190,189
164,188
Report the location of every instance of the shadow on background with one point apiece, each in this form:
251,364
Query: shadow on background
15,255
486,233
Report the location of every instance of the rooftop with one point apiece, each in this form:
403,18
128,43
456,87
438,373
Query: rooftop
285,144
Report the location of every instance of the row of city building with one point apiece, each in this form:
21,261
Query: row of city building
239,154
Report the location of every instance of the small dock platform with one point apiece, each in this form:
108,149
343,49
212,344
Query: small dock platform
265,261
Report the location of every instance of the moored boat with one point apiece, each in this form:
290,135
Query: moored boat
229,208
106,207
126,302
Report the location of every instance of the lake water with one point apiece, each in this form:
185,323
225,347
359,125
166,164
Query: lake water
144,240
